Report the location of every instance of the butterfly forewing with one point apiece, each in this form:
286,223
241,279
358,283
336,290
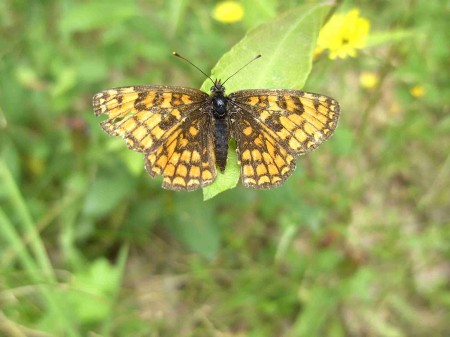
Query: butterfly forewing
272,126
169,124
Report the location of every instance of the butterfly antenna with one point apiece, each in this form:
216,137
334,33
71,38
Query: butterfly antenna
256,57
192,64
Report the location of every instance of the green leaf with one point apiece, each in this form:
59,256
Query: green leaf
227,180
286,43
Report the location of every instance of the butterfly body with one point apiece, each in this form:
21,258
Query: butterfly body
184,132
219,103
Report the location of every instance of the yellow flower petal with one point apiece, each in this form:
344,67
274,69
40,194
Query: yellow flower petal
343,34
417,91
228,12
368,79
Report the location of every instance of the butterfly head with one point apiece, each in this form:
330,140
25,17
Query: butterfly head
217,87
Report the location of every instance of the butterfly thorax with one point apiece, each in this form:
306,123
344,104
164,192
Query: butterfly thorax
221,130
219,101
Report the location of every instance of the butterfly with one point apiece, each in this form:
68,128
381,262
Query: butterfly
184,133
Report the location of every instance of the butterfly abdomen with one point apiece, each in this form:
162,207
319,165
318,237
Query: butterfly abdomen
220,112
221,142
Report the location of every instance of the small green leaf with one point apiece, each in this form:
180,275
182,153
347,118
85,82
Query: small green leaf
287,43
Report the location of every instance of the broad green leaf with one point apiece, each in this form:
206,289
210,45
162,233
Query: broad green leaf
286,44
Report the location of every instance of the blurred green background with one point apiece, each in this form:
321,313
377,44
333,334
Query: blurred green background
355,243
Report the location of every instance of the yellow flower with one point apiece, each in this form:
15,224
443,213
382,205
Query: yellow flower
343,34
368,79
417,91
228,11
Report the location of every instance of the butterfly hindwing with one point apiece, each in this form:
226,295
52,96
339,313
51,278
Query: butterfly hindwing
169,125
186,161
264,162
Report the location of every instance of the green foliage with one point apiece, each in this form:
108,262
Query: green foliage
355,243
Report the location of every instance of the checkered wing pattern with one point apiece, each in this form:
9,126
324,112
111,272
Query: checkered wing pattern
271,127
169,125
